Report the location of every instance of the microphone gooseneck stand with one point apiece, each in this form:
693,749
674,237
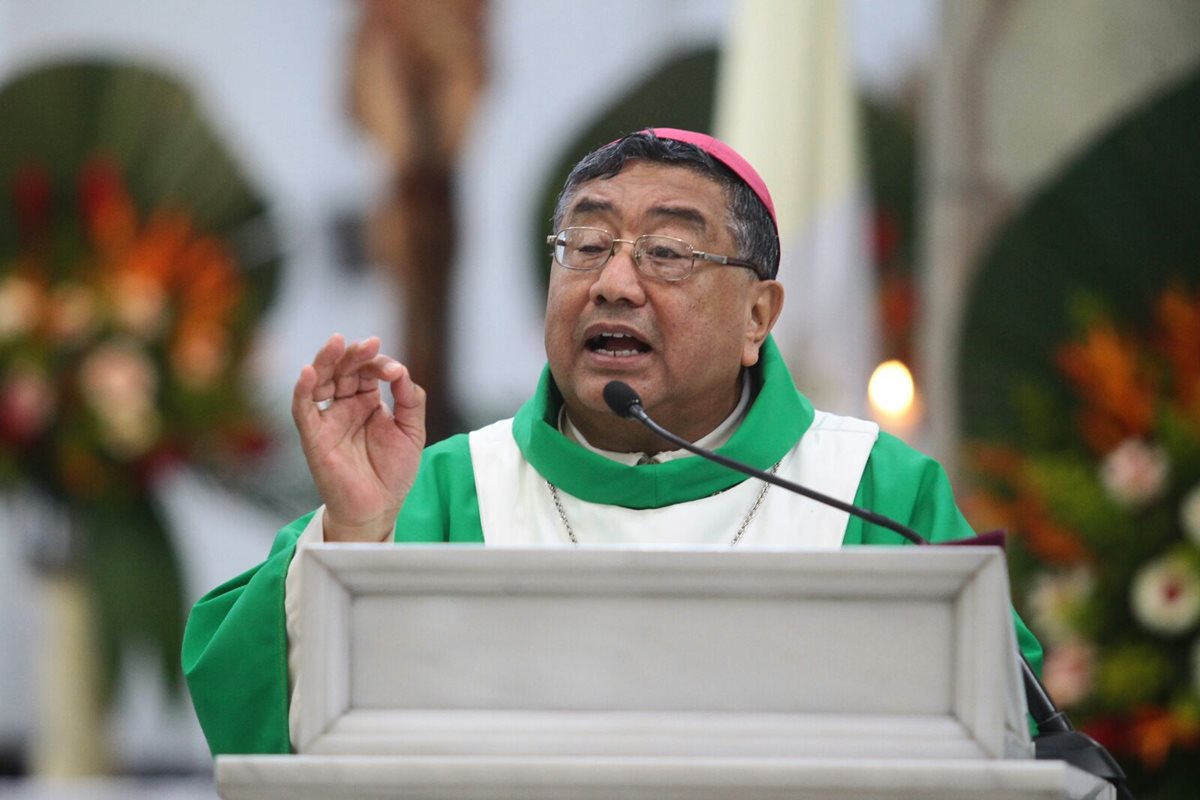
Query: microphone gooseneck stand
1057,739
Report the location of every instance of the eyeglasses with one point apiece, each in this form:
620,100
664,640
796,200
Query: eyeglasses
664,257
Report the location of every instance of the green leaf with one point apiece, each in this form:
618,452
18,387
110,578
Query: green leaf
1179,434
1117,223
1039,415
1132,675
135,575
1073,492
61,114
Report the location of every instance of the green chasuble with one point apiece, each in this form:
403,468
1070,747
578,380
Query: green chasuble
235,646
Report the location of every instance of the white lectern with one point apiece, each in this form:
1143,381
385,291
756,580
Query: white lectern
471,672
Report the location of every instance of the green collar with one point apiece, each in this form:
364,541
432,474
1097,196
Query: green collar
776,420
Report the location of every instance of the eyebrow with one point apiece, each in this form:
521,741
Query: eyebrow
679,213
590,206
682,214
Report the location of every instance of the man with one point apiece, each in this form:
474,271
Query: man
662,276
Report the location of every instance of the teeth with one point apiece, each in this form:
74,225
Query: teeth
609,340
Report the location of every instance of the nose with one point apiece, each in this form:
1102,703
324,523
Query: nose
619,280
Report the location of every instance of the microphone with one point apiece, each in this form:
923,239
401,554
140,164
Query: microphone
1057,738
623,401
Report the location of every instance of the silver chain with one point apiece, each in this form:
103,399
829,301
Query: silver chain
762,493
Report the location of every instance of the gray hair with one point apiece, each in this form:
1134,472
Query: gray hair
753,230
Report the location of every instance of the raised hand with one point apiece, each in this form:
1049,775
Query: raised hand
363,456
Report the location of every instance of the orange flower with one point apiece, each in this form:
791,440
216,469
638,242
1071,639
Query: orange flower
1155,731
1027,517
1026,514
998,461
139,304
1107,372
1178,317
200,354
157,251
1051,542
211,288
987,512
101,315
1152,735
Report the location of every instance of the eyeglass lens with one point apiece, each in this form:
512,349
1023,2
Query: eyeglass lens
590,249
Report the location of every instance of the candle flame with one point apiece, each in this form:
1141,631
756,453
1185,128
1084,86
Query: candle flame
890,390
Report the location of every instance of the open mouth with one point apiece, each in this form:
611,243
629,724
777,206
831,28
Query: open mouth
617,345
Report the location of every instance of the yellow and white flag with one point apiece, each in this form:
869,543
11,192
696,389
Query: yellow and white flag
785,100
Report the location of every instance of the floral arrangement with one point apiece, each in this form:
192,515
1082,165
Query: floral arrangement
124,332
122,337
1107,524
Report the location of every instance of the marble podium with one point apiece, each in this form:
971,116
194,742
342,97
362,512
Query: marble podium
471,672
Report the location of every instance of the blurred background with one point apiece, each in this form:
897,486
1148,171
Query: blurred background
989,212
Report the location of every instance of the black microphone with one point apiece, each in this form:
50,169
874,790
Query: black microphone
1057,739
624,402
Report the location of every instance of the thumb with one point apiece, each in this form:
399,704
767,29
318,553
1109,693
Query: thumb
408,404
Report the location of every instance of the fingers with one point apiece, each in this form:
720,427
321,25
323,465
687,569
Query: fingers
304,408
343,370
338,372
324,363
405,391
369,375
409,406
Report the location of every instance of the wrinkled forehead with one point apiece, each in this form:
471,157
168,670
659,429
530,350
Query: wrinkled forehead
655,189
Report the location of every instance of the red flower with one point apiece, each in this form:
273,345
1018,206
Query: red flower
1114,732
107,209
26,406
31,199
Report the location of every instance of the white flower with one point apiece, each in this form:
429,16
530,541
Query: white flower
1069,671
1057,599
139,304
130,433
72,312
1165,596
20,306
200,355
1134,473
117,378
1189,514
120,384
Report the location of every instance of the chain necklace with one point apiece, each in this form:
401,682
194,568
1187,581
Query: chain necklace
762,493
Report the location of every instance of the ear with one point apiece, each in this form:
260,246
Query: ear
766,302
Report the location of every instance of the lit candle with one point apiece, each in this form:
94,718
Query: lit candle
893,398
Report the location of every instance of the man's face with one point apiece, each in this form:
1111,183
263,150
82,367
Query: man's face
680,345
